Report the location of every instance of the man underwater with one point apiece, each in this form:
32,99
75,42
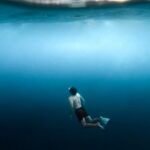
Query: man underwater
76,102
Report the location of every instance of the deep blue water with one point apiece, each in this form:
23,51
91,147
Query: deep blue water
104,52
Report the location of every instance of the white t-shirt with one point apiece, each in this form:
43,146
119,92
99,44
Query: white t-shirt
75,101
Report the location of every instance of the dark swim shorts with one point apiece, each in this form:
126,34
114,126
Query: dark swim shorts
81,113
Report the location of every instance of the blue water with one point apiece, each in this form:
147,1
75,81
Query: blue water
104,52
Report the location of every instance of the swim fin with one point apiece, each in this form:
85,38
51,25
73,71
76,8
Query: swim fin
104,121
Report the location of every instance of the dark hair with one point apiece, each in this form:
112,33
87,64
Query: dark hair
73,90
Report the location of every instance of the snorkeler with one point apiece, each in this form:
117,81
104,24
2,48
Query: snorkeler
76,101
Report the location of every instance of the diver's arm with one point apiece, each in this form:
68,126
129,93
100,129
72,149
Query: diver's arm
71,108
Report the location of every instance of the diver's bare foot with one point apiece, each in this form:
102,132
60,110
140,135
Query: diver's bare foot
100,126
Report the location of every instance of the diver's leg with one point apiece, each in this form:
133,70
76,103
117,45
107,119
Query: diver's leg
89,119
92,120
85,124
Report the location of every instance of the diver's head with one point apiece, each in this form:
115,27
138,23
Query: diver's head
72,90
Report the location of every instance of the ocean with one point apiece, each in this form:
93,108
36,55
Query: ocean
103,51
